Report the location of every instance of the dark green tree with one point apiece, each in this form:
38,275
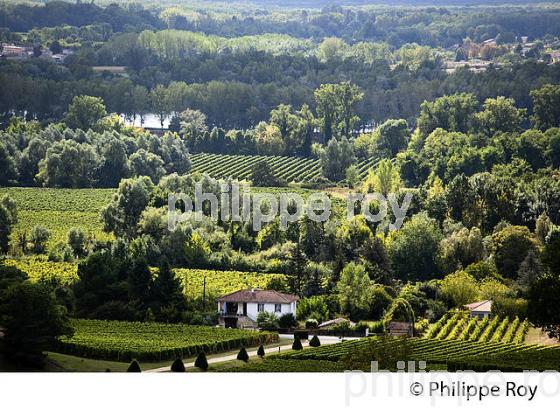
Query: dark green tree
546,107
201,361
242,355
262,175
287,320
134,367
543,308
32,321
178,366
450,112
315,342
123,213
85,111
297,343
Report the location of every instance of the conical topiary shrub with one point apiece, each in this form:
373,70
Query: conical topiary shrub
201,361
315,342
178,366
260,352
297,344
134,367
242,355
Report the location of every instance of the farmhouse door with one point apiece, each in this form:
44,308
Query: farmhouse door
244,309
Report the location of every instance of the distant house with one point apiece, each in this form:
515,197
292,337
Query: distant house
11,51
480,309
555,57
241,308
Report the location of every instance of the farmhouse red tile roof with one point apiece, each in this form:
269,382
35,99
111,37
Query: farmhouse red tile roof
258,296
482,306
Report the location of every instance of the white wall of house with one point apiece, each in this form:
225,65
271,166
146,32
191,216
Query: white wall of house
480,314
253,309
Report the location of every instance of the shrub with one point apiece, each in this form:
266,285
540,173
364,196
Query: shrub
287,320
201,361
178,366
260,352
313,307
311,324
39,238
242,355
134,367
267,320
314,342
297,344
263,175
377,327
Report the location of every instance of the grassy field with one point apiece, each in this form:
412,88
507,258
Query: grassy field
153,342
58,210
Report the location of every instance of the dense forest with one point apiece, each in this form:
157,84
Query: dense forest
237,78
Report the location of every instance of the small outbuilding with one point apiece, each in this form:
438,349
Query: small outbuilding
480,309
400,329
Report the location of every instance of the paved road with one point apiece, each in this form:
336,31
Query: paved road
325,340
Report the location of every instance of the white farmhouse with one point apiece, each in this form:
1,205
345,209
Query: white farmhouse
241,308
480,309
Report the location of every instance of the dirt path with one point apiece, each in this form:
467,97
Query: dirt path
537,336
233,354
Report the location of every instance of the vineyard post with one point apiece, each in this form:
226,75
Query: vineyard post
204,293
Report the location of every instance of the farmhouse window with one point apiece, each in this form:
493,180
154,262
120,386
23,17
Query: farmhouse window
277,308
260,307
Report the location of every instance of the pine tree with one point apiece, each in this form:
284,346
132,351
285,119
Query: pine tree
315,342
178,366
134,367
201,361
260,352
167,287
242,355
139,281
297,344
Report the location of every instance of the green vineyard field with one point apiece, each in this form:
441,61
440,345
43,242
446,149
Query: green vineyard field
451,354
219,283
288,366
458,326
153,342
290,169
38,269
58,210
